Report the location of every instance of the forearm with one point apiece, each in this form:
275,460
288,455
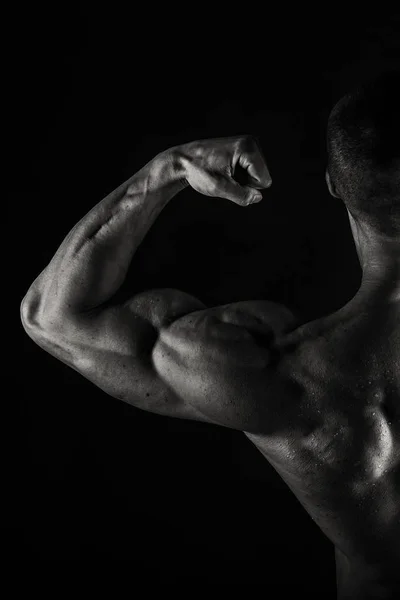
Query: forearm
92,262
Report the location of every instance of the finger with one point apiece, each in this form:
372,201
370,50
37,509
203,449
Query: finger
253,161
239,194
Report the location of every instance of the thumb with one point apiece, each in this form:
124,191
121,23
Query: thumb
239,194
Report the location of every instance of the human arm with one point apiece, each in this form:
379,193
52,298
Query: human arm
70,311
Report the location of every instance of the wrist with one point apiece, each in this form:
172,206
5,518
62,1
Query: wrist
174,164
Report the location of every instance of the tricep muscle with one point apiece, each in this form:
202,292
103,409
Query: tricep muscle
164,352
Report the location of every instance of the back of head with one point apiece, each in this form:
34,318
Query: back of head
364,152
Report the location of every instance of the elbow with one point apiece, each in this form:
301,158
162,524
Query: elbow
46,325
28,313
34,319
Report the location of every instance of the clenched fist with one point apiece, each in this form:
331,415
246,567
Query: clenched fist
210,166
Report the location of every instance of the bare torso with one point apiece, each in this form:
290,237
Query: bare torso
332,428
320,401
343,460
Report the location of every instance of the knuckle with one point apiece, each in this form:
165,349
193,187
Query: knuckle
243,196
214,186
227,171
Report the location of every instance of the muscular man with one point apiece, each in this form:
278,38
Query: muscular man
320,400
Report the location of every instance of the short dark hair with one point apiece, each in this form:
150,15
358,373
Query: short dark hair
364,151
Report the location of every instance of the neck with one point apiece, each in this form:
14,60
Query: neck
379,258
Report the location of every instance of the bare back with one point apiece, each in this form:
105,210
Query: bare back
343,461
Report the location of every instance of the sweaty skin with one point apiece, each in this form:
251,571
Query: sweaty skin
320,400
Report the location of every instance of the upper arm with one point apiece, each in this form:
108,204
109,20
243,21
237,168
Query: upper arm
164,352
113,347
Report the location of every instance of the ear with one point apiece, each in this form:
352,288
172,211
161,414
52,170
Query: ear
331,187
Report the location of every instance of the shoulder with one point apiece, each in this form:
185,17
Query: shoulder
222,360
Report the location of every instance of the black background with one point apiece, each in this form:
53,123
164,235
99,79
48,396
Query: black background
90,97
